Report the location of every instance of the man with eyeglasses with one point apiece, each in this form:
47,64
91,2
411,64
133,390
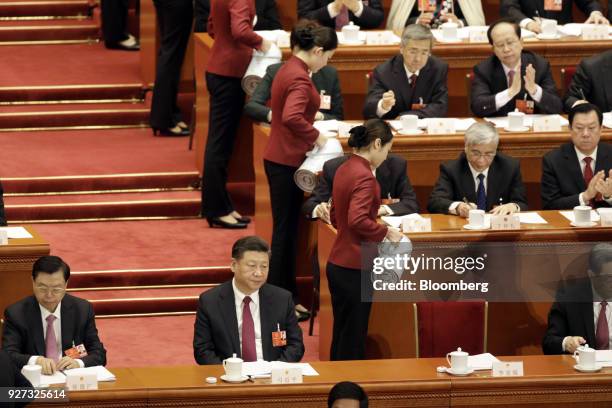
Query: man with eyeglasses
413,82
481,178
52,329
512,78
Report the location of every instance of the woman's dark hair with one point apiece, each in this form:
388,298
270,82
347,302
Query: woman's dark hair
347,390
363,135
308,34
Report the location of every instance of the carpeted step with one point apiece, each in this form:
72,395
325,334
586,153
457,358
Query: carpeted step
97,93
46,9
48,31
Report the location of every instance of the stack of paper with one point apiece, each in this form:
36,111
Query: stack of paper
461,125
570,215
531,218
326,126
482,361
60,377
502,121
607,120
264,368
604,357
395,221
16,232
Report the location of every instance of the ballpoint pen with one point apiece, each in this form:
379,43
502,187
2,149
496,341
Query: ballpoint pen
582,94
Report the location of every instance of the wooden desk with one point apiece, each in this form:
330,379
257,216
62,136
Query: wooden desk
16,260
513,328
549,381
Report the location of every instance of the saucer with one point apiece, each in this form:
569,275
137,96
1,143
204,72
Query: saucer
521,129
234,381
590,224
469,371
548,37
476,227
593,369
410,132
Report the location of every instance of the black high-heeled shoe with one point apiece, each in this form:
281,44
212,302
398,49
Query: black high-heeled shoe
217,222
170,132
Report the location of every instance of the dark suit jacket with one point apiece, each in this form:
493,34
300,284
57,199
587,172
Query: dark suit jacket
521,9
267,15
372,16
2,215
593,78
415,13
455,182
10,376
392,178
430,85
23,334
489,79
326,79
562,179
216,327
570,315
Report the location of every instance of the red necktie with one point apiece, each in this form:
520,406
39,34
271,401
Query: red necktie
510,77
588,175
413,79
248,332
342,19
50,340
602,335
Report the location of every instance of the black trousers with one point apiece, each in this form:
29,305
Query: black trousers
175,19
226,102
351,315
114,21
286,201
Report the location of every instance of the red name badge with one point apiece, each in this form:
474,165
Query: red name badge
76,351
553,5
525,106
279,337
427,5
325,101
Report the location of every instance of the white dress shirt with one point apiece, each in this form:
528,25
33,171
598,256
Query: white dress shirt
380,112
452,209
254,306
503,97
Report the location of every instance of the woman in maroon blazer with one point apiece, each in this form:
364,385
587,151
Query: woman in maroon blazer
355,203
294,102
230,23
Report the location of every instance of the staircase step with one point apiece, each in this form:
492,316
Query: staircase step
57,30
76,93
49,8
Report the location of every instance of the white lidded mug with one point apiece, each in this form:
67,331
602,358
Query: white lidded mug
586,356
582,215
515,120
450,31
476,218
410,123
458,360
233,367
32,372
549,27
350,32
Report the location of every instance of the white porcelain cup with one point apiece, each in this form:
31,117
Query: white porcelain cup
409,122
586,356
350,32
549,27
32,373
476,218
233,367
450,31
582,215
458,360
516,120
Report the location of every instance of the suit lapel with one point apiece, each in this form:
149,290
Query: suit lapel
265,311
67,323
38,332
228,310
602,159
400,78
383,176
589,322
573,166
499,82
423,82
493,179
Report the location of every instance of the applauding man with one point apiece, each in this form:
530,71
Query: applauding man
338,13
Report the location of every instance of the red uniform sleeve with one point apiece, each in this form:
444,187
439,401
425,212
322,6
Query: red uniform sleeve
359,212
293,112
241,24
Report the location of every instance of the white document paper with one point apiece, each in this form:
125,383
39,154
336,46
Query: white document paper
101,372
531,218
264,368
57,378
607,120
395,221
482,361
502,121
326,126
16,232
604,357
570,215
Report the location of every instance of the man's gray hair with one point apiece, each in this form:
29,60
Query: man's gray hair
481,133
416,32
600,254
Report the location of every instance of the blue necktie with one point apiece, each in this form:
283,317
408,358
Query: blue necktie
481,197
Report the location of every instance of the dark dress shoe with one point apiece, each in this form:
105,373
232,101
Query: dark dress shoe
171,132
244,220
217,222
119,46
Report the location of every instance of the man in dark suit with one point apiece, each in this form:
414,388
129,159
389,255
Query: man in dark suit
337,13
512,78
394,184
480,178
581,313
52,329
413,82
266,12
580,172
114,26
325,80
527,13
592,81
246,316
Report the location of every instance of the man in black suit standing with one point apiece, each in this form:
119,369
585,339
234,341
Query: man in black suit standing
413,82
338,13
266,11
246,316
579,172
592,81
52,329
528,13
512,78
395,189
581,313
481,178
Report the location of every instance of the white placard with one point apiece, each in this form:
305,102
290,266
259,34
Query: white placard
374,37
595,32
606,219
507,369
287,375
478,35
81,381
441,126
505,222
548,123
416,225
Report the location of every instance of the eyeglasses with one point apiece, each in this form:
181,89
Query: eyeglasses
478,154
46,289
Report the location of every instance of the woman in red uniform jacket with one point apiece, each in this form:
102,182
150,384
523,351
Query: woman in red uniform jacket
355,203
231,25
294,102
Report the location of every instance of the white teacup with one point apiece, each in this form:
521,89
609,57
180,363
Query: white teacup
549,27
410,123
476,218
586,356
582,215
450,31
233,367
458,361
515,120
32,373
350,32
